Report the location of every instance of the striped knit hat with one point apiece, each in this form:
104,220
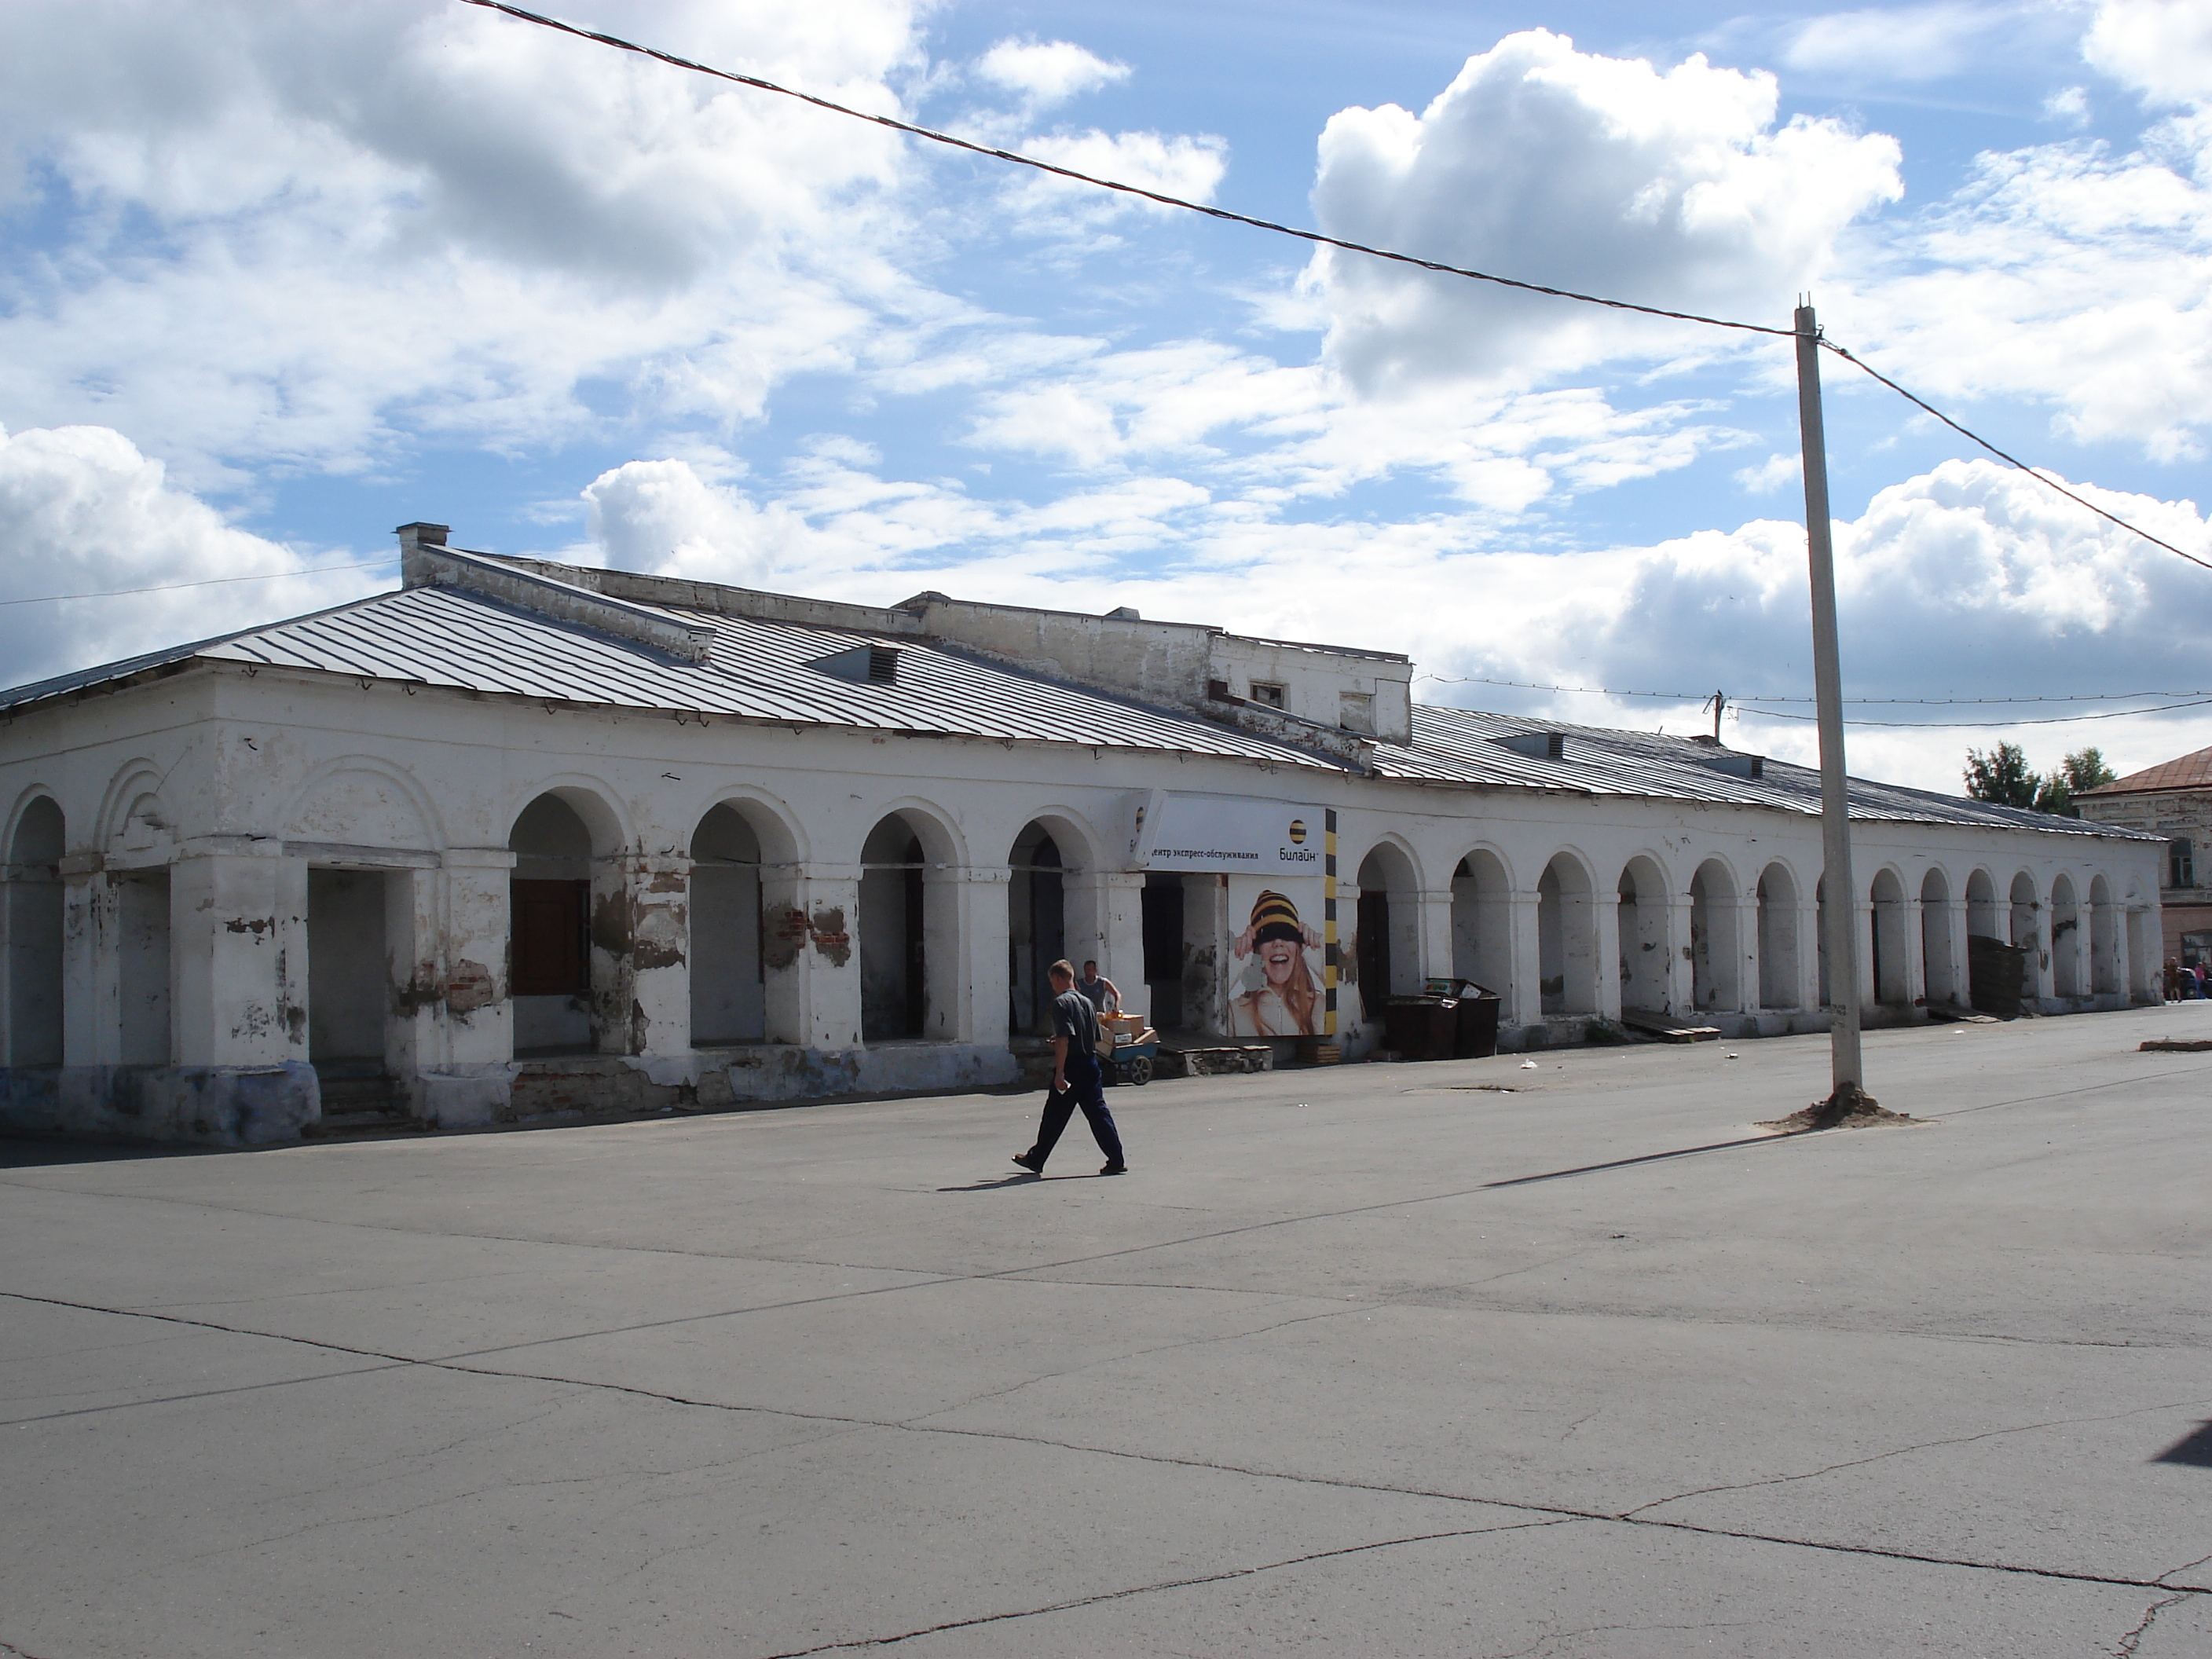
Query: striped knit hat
1275,916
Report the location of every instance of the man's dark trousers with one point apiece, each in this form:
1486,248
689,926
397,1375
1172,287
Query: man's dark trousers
1083,1089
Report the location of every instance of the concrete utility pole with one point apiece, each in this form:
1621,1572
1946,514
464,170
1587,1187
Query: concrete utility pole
1839,913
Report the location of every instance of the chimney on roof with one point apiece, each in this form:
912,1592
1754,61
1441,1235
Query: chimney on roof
420,547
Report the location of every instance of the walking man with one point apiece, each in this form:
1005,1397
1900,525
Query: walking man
1075,1079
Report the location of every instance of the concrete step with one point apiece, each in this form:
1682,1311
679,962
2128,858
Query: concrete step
355,1105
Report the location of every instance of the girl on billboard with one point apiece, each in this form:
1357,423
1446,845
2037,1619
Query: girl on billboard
1286,1000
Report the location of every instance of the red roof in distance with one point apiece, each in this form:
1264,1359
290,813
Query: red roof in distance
2190,772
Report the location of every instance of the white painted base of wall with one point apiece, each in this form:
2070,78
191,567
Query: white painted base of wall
536,1091
212,1105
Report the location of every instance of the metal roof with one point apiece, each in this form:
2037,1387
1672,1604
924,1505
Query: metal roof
763,670
2190,771
1459,746
755,671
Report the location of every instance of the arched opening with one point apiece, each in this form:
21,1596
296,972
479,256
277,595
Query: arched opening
1937,948
1891,941
1820,937
2065,940
909,933
1642,906
2107,972
2024,918
1482,923
1982,909
550,976
1037,929
1716,953
1388,946
1567,938
729,982
1778,937
34,936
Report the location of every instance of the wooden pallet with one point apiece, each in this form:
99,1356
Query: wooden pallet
1667,1028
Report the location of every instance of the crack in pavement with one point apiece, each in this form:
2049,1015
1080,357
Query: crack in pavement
1123,1358
1901,1451
2130,1640
1562,1511
1601,1630
205,1394
920,1278
2185,1567
1158,1589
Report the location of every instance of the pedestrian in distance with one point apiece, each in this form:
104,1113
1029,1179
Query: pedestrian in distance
1075,1078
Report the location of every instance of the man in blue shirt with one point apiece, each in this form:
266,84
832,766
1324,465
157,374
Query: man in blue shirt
1075,1078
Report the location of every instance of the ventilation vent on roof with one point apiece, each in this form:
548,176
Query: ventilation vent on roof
863,664
1537,746
1739,766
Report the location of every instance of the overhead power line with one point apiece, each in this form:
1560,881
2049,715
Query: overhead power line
2009,460
1756,696
1072,175
205,581
1988,725
1313,236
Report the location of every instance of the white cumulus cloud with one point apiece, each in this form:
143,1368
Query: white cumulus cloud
81,512
2162,49
1048,72
286,233
1669,187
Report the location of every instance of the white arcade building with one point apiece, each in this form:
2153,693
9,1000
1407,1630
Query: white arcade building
523,839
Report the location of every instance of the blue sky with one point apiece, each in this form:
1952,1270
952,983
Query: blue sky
276,276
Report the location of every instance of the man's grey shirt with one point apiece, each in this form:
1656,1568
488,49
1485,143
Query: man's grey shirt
1074,1018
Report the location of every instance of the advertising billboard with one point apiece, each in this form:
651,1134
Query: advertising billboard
1277,862
1232,833
1280,981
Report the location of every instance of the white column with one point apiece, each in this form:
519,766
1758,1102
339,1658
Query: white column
1352,994
1681,971
464,963
1120,909
1432,929
977,915
1808,957
91,1018
1916,963
1522,994
811,964
1961,959
1749,967
1600,915
659,891
1862,913
232,902
2036,980
2076,944
1207,928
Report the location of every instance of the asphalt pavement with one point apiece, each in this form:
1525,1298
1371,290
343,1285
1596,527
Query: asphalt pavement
1454,1359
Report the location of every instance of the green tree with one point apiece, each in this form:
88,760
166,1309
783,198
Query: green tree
2083,770
2002,776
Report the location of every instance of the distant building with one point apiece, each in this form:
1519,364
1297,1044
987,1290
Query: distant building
2173,801
523,839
